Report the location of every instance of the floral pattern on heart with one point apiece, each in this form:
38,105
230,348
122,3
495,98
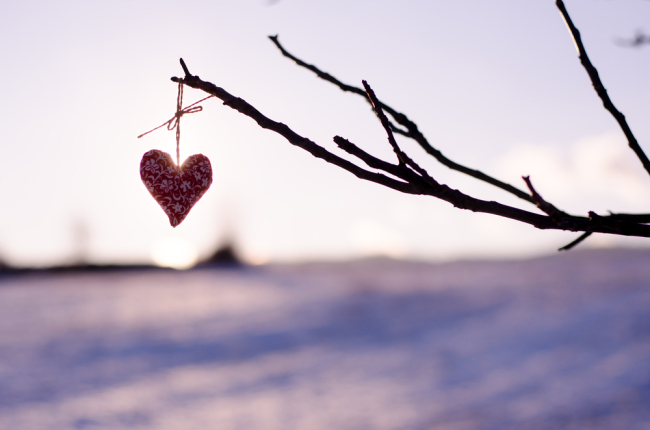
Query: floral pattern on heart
176,189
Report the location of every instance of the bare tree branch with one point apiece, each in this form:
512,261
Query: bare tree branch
415,182
600,89
408,177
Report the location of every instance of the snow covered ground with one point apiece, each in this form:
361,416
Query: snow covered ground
560,342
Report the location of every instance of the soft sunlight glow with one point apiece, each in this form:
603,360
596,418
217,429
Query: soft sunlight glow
256,259
175,253
369,237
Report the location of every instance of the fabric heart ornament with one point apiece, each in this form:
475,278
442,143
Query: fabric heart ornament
176,189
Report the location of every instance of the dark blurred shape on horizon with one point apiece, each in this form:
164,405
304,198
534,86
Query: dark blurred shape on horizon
224,255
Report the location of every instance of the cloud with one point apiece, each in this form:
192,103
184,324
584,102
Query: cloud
596,173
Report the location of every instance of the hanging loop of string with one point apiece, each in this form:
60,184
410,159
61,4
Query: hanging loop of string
175,122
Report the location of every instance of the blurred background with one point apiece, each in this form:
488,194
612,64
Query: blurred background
494,85
319,301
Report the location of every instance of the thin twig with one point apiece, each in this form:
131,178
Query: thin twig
384,121
557,215
399,171
600,88
575,242
399,130
413,131
401,155
185,69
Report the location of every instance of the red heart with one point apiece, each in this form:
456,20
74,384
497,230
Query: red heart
176,189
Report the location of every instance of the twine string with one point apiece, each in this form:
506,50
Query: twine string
175,121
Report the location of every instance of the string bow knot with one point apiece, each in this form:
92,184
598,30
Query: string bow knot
175,121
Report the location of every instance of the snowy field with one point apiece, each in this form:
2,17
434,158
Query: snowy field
560,342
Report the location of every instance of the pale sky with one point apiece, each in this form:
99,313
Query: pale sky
495,85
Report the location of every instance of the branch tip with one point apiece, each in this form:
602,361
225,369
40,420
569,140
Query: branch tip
575,242
185,69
